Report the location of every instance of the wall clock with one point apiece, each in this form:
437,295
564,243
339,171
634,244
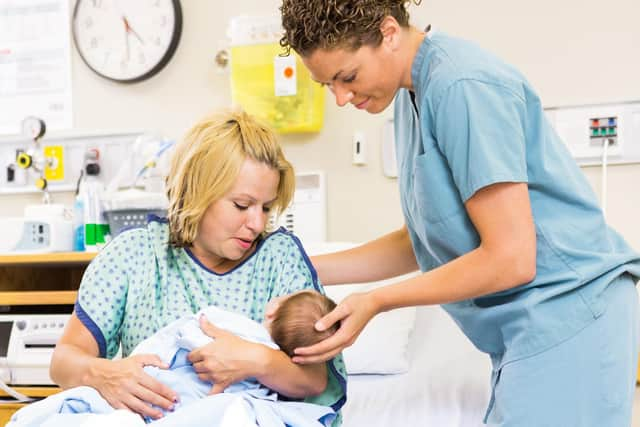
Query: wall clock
127,41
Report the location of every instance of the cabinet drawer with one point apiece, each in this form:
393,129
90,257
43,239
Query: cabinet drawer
7,409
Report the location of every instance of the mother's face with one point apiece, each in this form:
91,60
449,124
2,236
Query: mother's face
231,225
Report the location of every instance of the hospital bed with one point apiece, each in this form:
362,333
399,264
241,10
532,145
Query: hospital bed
411,367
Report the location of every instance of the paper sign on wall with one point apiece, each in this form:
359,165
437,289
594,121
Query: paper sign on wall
285,75
35,63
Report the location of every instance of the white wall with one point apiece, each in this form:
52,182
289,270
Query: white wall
573,51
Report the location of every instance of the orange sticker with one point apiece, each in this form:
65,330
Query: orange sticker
288,72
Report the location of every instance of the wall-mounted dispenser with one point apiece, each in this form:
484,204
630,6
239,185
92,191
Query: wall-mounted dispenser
275,88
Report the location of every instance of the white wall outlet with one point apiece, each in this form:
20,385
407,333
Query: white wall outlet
359,148
389,161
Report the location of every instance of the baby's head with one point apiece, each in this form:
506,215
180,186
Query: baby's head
292,325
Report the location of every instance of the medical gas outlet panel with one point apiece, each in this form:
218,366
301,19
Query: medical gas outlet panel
61,157
587,129
603,130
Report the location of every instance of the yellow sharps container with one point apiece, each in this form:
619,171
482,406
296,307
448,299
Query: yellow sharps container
275,88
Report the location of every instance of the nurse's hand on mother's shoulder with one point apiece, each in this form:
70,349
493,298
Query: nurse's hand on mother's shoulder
125,384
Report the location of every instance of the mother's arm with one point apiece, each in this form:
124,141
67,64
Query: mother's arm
230,359
123,383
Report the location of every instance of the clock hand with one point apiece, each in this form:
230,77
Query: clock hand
126,37
129,29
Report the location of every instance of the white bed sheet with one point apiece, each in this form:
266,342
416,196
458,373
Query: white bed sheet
447,385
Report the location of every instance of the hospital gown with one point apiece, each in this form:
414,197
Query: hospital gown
138,284
247,403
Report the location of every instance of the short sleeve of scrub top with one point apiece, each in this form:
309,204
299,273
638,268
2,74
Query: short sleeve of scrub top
480,131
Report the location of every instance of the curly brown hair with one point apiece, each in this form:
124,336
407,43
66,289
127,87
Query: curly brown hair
327,24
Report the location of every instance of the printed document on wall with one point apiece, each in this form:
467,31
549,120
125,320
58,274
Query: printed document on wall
35,63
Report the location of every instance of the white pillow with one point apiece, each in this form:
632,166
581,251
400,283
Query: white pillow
382,346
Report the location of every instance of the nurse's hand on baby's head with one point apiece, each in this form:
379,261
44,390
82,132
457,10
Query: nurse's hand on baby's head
349,318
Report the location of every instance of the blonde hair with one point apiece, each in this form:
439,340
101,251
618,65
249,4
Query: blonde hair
293,324
207,162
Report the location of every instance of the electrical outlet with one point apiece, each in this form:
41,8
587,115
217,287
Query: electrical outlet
359,148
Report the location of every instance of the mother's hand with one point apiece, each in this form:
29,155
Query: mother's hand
354,312
226,360
125,385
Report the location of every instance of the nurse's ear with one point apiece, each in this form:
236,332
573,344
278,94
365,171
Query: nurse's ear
391,33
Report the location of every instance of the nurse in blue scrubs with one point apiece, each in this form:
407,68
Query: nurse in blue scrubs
498,217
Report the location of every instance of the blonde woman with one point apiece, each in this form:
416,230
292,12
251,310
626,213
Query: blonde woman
227,176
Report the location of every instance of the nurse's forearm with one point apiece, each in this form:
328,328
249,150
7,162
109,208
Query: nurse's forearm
477,273
279,373
388,256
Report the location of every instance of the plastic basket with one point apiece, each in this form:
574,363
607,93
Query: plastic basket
125,219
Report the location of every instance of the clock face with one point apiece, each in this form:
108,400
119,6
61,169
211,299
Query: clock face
125,40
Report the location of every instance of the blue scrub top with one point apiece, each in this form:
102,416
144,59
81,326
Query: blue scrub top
476,121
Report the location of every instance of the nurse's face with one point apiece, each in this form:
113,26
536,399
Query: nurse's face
368,78
230,225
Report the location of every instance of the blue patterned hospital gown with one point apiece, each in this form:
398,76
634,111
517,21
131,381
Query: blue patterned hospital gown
138,284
